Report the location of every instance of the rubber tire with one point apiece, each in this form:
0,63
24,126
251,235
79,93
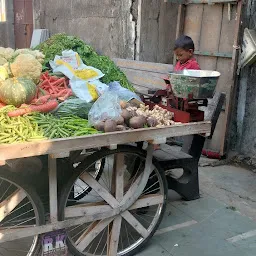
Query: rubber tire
90,160
6,174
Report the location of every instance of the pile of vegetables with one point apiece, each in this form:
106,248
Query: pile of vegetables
136,117
17,129
64,127
54,86
60,42
37,105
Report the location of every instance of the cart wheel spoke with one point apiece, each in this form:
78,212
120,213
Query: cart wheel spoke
135,223
149,200
10,203
99,189
114,236
89,235
86,209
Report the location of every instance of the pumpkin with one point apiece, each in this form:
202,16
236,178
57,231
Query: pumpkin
17,91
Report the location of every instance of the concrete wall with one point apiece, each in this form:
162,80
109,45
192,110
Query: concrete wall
246,107
114,27
7,28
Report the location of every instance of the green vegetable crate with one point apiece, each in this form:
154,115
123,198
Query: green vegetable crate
201,83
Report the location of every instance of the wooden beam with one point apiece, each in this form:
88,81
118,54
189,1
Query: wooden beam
99,189
135,224
11,202
18,233
43,147
118,175
138,186
180,25
148,200
97,208
229,100
92,234
114,236
53,191
144,66
86,209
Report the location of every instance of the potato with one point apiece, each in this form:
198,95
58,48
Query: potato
137,122
120,128
120,120
126,115
110,126
100,126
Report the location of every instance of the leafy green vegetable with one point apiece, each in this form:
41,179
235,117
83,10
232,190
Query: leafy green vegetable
60,42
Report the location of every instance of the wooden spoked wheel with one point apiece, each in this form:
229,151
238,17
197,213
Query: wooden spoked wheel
20,207
126,203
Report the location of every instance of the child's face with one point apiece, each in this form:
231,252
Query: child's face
183,55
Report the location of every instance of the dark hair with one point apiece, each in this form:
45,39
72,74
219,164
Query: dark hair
184,42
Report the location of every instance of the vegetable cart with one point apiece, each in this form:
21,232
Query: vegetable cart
111,204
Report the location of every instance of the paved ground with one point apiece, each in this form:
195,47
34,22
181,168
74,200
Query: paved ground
222,222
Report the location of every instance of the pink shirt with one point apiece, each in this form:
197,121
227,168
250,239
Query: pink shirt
190,64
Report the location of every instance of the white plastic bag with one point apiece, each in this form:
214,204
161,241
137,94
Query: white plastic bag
106,107
71,65
83,79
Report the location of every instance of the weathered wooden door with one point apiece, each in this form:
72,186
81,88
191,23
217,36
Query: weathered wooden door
23,22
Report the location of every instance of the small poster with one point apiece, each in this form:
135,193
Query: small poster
54,243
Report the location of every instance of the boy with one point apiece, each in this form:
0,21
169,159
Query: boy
184,50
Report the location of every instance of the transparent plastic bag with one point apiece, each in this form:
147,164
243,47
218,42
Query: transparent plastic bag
123,93
106,107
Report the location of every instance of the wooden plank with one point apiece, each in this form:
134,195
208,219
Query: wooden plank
114,236
230,103
139,184
147,79
96,208
210,35
135,224
119,177
84,209
11,202
87,231
180,25
167,153
10,235
148,200
43,147
143,73
225,81
193,23
100,190
94,232
144,66
53,192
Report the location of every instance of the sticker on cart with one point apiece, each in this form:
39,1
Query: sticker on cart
54,244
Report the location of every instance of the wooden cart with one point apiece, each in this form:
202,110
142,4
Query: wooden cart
111,204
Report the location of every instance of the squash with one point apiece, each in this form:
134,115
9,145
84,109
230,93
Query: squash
17,91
